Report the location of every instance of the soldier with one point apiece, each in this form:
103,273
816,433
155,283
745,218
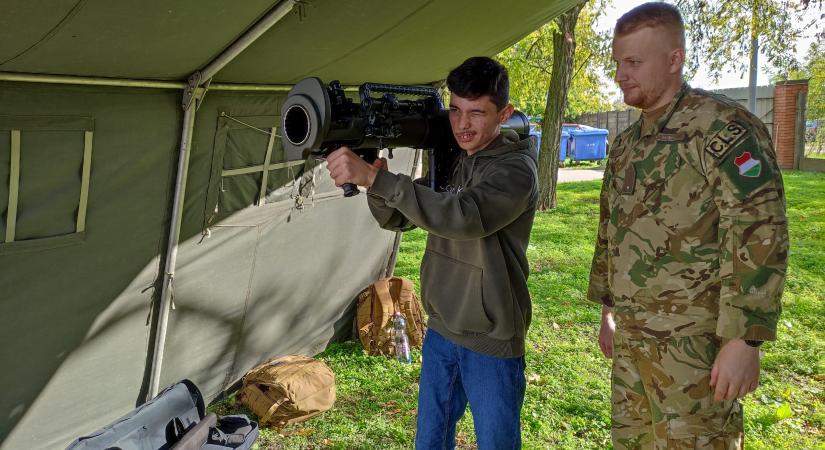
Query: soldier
474,270
691,249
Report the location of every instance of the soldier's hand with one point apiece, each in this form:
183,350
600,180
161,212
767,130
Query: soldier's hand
606,331
735,372
347,167
380,163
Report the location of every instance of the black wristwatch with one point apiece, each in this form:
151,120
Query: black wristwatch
755,344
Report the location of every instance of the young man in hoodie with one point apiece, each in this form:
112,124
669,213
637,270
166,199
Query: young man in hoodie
474,270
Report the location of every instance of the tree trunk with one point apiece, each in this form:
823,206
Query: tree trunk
564,47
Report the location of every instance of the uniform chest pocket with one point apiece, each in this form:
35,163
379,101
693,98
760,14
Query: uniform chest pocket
616,178
656,177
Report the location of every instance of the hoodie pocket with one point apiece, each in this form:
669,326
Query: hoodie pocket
452,292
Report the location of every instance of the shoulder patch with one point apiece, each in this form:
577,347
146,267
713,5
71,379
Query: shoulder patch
748,165
725,139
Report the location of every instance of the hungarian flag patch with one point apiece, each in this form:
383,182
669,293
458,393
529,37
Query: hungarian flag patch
748,165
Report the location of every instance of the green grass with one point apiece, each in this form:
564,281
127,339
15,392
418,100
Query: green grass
567,400
570,164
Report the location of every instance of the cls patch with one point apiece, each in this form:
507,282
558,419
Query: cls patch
725,139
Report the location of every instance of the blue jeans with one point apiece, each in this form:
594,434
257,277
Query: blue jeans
451,376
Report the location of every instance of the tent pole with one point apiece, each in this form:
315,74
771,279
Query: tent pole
138,83
257,30
192,95
172,248
90,81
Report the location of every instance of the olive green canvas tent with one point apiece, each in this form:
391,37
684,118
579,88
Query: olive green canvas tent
150,228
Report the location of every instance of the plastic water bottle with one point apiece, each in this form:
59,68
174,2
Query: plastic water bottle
402,342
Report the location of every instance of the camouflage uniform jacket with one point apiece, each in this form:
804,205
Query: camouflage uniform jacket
692,234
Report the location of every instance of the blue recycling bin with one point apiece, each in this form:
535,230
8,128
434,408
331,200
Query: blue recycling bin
588,143
563,143
537,135
567,127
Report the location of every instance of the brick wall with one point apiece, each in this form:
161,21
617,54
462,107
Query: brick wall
784,120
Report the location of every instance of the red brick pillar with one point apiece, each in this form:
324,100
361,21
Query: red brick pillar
784,120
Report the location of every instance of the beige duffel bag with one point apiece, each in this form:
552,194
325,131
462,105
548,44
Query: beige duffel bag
288,390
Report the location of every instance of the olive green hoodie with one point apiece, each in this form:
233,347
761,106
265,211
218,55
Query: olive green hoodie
474,271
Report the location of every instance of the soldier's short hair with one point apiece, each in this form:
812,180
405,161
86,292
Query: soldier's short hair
479,76
651,15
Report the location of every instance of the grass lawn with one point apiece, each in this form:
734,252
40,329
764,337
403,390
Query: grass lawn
567,400
570,164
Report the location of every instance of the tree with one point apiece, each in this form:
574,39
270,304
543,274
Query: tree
564,45
553,77
722,31
530,62
814,70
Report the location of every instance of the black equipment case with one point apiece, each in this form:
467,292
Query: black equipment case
174,420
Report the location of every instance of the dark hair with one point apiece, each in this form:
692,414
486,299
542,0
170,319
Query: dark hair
651,15
479,76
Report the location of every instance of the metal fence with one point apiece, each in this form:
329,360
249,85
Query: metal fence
617,121
764,102
813,133
613,121
814,128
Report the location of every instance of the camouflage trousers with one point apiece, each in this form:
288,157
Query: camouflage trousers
662,399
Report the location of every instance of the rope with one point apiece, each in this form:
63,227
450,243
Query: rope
223,114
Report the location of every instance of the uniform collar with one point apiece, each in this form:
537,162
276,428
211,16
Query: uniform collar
671,108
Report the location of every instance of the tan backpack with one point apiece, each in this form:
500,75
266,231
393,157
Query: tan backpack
288,390
376,306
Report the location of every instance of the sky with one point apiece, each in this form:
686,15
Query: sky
727,80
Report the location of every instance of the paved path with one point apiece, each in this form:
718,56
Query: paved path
567,175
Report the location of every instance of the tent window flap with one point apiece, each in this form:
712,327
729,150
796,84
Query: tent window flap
47,160
248,166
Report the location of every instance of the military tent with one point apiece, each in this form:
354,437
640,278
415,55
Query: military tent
150,227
